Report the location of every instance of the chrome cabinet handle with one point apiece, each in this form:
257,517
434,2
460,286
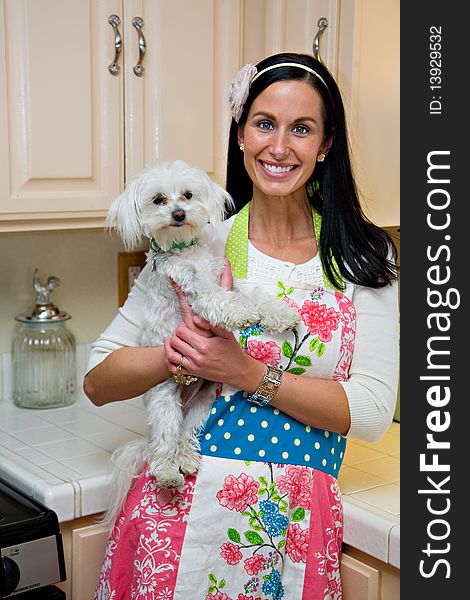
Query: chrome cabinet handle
322,25
115,21
138,69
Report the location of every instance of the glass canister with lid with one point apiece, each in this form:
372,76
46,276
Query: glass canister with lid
43,353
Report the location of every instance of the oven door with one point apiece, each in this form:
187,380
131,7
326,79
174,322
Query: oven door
31,552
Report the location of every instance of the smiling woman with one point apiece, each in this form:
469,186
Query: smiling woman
262,516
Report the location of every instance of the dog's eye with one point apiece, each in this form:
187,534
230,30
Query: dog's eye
158,199
188,195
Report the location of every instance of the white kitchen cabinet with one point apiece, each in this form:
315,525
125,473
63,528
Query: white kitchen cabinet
364,577
61,146
84,547
72,131
369,79
359,580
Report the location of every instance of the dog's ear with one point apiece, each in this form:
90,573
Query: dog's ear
220,200
124,215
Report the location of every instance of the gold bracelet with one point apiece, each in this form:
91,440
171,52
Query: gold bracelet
268,386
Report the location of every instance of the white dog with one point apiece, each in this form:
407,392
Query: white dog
177,206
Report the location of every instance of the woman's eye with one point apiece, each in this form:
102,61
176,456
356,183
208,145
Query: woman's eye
265,125
159,199
188,195
300,129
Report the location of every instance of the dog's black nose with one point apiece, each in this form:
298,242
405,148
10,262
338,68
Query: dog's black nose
178,215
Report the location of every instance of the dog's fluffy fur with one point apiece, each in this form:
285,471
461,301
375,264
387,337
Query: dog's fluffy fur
174,202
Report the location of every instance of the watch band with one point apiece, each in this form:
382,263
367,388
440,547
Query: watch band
268,386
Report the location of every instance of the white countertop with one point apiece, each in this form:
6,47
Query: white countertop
60,457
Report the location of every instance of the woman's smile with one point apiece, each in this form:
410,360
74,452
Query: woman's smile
277,170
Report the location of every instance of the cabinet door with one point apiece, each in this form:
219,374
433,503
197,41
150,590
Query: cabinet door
177,109
61,147
88,548
369,78
359,580
290,26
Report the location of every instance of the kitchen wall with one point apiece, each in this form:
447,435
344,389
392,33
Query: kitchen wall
86,263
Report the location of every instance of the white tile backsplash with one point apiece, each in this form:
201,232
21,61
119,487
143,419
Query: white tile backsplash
5,376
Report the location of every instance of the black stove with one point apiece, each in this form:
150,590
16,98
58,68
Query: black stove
31,552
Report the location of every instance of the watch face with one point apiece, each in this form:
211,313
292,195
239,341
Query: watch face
258,399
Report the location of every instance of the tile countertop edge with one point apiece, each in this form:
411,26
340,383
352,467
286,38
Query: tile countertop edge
369,529
58,495
394,547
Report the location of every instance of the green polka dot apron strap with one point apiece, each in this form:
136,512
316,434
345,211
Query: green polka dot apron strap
236,247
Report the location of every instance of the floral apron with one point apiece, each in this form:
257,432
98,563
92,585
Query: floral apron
262,519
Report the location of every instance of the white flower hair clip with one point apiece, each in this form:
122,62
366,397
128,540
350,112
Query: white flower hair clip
239,90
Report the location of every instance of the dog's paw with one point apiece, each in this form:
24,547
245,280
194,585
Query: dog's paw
279,316
189,462
240,319
167,477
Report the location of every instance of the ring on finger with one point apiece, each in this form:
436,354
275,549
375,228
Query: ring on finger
180,366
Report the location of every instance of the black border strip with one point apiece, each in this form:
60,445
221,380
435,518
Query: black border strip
435,163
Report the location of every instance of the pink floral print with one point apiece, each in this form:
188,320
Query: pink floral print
155,555
297,483
254,564
320,319
319,322
297,543
218,596
281,527
231,553
238,492
266,352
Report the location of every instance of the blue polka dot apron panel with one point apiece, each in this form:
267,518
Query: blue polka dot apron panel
321,346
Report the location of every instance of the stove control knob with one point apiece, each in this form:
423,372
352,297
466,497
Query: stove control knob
9,576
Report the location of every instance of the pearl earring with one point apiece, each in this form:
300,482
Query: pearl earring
242,147
321,157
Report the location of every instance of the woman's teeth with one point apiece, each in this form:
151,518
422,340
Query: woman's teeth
276,169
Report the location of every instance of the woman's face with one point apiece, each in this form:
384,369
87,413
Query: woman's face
283,135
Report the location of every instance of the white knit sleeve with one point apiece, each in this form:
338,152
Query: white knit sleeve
125,328
373,382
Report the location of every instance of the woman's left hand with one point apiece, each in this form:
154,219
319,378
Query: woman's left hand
216,358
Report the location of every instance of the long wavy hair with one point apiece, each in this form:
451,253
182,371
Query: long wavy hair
360,249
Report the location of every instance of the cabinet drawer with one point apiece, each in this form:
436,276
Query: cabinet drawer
359,581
